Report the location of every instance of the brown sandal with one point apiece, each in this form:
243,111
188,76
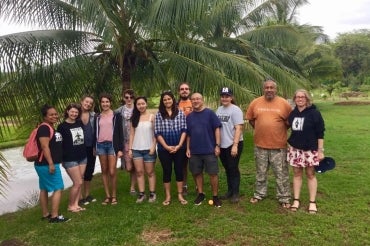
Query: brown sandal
106,201
312,211
295,208
114,201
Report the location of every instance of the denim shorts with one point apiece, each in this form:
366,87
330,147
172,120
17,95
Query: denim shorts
143,154
105,148
69,164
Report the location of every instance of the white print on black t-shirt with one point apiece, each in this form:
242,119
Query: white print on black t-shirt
58,137
298,124
77,136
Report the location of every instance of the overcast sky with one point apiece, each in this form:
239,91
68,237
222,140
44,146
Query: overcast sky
335,16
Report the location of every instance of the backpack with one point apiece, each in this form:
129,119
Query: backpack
31,150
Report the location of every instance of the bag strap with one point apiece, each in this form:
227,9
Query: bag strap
51,136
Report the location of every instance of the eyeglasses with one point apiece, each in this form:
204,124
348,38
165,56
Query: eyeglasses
129,97
184,89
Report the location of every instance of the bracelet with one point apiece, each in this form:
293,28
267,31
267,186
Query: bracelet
217,145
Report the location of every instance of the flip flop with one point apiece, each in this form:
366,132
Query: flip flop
183,202
166,203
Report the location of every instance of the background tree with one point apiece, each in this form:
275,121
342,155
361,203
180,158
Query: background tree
353,50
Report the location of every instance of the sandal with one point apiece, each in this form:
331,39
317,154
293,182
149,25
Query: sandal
295,208
181,199
312,211
166,203
106,201
285,205
114,201
255,200
76,210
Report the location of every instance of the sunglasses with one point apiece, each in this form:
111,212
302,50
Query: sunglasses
184,89
129,97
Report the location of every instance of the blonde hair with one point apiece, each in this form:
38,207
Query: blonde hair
306,94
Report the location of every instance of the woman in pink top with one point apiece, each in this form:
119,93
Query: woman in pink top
109,146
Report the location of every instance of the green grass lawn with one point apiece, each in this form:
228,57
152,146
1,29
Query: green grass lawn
343,202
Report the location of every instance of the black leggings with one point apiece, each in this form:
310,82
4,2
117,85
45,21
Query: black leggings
166,160
90,165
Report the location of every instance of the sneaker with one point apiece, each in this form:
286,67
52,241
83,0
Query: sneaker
83,202
217,202
185,190
200,198
152,197
89,199
59,219
140,198
226,196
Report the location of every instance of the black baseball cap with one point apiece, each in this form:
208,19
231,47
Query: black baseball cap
326,164
226,91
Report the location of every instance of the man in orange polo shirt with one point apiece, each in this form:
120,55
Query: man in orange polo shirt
268,116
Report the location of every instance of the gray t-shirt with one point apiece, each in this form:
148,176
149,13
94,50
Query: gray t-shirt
229,116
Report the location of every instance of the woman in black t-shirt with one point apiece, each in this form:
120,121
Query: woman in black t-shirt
74,152
48,169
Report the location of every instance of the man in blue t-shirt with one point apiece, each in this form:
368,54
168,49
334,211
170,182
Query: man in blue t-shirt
203,146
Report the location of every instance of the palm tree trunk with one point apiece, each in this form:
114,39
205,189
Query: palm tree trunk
126,78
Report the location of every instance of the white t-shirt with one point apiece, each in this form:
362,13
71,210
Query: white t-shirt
229,116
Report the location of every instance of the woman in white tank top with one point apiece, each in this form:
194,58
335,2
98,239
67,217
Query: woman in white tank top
142,146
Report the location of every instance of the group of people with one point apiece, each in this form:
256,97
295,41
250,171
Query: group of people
186,135
271,116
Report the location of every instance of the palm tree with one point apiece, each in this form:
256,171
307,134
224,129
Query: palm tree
86,46
4,172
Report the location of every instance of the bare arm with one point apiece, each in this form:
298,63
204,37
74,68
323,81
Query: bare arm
188,153
131,139
320,144
218,141
238,132
44,143
154,141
